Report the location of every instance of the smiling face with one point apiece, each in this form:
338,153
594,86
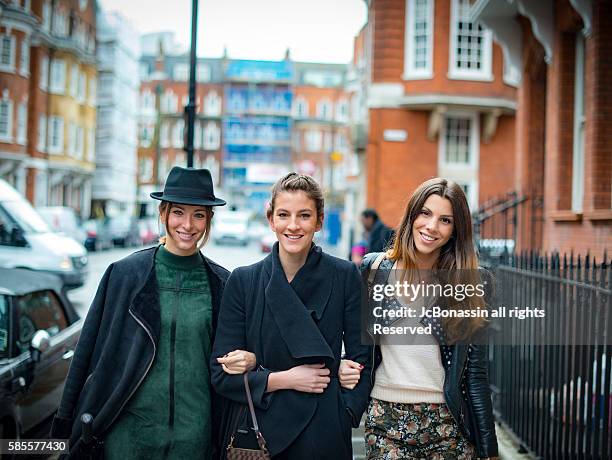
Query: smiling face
295,222
185,227
432,229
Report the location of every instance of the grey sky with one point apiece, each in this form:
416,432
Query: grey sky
315,30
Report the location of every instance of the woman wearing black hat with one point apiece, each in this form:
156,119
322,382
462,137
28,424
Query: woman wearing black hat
141,365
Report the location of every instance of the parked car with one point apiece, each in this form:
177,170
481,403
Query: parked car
63,219
39,329
97,235
124,230
267,241
26,241
231,227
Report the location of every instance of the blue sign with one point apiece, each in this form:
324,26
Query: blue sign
260,70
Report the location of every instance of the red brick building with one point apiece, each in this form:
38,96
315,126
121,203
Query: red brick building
441,103
561,52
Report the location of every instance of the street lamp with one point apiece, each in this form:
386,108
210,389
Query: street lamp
191,105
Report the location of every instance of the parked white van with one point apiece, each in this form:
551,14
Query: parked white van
26,241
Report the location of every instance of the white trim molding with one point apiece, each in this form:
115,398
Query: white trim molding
542,18
411,72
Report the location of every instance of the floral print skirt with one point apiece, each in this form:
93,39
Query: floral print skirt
395,431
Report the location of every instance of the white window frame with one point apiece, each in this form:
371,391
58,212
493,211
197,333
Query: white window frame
42,133
55,148
341,111
178,133
180,72
91,144
212,104
79,148
454,72
46,15
326,114
301,107
212,136
93,89
579,122
164,135
43,73
8,136
57,83
10,66
24,57
22,123
81,87
72,139
313,140
74,80
411,72
203,73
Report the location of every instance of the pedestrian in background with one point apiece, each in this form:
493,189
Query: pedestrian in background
294,309
141,366
430,400
379,236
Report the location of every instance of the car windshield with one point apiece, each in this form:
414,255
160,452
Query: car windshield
25,215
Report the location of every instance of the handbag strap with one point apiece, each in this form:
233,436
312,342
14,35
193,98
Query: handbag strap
260,439
374,267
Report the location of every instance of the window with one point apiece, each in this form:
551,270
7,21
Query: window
197,135
301,107
71,139
22,120
147,101
24,58
313,139
42,133
79,147
43,76
419,39
46,15
164,135
91,145
457,140
470,55
60,24
38,311
578,145
180,72
324,110
58,76
92,91
327,142
342,110
169,102
212,136
146,135
81,87
212,104
203,74
7,53
6,118
178,133
56,134
74,80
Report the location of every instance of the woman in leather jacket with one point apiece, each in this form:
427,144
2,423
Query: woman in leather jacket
430,399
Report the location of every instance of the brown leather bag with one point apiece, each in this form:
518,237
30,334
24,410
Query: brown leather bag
237,453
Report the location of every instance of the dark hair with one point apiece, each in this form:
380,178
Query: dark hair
457,253
294,182
370,213
164,213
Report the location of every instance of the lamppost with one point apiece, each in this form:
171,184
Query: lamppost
191,105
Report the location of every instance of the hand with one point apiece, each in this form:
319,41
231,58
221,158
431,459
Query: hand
308,378
349,373
238,362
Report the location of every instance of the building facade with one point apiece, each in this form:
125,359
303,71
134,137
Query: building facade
560,53
48,83
441,103
114,184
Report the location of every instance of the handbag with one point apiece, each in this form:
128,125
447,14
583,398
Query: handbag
238,453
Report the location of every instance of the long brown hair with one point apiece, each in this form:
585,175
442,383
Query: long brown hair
457,253
164,213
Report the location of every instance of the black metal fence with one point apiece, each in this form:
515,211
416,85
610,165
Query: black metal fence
556,399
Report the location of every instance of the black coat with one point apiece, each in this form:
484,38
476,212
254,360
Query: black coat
466,378
290,324
380,237
117,345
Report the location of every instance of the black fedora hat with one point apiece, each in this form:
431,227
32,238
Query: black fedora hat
189,186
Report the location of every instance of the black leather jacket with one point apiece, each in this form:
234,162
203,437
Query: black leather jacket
466,384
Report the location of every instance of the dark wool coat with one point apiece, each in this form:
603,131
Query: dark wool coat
287,325
118,344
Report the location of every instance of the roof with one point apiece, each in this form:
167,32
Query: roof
18,281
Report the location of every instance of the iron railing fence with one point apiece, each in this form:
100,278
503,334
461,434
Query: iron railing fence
556,399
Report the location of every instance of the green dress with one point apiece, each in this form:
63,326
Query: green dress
169,415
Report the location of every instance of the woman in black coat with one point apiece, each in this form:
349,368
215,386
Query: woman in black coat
294,310
141,366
